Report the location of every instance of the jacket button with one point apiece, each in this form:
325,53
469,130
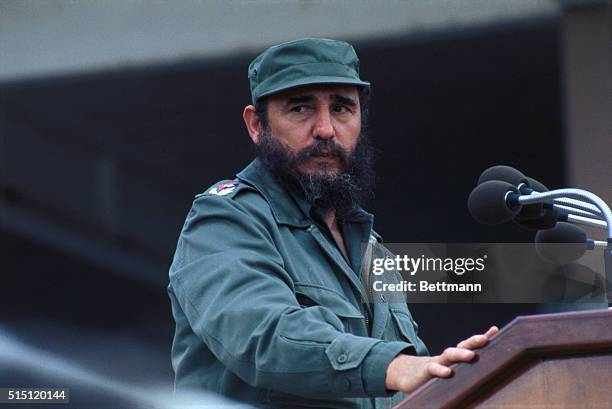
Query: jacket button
342,358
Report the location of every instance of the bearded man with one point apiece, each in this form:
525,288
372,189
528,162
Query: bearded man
265,284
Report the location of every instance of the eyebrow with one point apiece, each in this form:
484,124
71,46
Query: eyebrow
299,99
344,100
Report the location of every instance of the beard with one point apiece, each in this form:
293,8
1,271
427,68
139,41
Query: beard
341,189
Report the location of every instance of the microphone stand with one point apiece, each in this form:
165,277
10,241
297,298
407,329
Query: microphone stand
608,268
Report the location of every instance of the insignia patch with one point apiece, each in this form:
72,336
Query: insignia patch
223,189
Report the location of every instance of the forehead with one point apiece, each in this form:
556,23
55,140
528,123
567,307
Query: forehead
318,91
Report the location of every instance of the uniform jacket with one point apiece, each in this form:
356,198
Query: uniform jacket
269,311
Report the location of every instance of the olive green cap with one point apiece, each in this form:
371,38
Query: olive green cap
303,62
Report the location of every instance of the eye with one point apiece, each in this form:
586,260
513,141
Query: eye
341,109
298,108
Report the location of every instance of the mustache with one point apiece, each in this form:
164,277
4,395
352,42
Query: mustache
322,148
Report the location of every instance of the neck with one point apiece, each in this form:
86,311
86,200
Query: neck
330,219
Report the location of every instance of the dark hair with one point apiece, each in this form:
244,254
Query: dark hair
261,107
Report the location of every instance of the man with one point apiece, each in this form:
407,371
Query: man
265,286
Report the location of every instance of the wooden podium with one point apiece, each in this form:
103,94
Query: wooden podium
552,361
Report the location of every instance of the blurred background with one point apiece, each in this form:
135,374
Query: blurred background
114,114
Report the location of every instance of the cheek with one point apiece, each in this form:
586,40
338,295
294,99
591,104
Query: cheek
349,134
292,135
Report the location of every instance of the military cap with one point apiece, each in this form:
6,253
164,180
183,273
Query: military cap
303,62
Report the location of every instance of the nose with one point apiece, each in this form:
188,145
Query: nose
323,128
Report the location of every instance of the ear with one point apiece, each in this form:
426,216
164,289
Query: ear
252,122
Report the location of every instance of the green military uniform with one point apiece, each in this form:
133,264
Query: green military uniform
270,311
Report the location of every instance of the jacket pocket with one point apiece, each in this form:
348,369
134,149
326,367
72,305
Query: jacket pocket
405,325
313,295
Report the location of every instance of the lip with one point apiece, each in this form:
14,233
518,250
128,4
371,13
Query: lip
328,158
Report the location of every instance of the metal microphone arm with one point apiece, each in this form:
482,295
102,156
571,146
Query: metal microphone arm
548,197
592,210
576,212
579,204
587,221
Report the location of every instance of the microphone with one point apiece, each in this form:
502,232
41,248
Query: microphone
575,205
525,185
504,173
564,243
494,202
538,215
513,176
534,185
548,220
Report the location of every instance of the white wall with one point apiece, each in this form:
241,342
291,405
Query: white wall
39,37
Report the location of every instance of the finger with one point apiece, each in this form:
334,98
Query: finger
473,342
439,370
493,330
478,341
452,355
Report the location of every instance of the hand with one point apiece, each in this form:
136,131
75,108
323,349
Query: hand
406,372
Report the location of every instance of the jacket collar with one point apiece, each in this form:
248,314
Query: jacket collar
288,206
